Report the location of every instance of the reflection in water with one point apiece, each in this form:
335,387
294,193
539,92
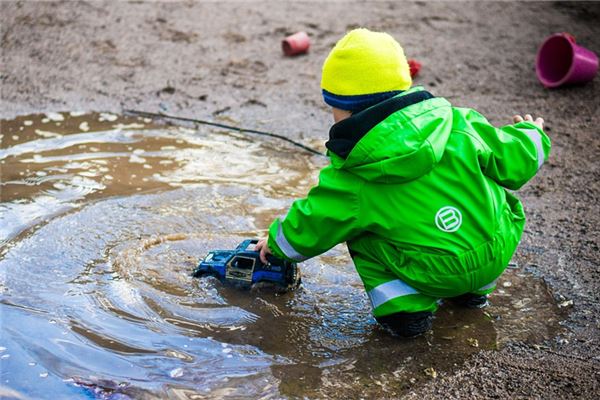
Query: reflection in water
103,220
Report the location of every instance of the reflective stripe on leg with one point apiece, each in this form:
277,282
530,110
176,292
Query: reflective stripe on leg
489,286
487,289
407,304
390,290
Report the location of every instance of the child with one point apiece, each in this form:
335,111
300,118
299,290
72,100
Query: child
416,188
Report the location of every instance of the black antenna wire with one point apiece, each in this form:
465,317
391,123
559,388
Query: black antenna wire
225,126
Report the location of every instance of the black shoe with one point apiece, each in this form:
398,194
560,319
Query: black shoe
407,324
471,300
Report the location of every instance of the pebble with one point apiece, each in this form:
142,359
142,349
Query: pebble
176,373
430,372
566,303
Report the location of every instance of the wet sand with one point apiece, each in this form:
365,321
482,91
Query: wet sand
224,62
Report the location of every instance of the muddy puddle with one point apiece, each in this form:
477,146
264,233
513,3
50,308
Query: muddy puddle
103,219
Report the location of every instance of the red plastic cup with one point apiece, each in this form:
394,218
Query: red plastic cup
561,61
297,43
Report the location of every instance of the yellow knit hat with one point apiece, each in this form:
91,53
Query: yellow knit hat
364,63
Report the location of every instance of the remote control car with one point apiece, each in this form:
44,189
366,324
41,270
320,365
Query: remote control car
243,267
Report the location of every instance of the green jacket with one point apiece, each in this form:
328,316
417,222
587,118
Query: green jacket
413,178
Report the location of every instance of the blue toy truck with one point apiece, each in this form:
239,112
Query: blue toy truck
243,267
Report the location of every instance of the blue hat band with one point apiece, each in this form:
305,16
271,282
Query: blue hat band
357,102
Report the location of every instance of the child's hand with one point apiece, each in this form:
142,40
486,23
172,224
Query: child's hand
538,121
264,249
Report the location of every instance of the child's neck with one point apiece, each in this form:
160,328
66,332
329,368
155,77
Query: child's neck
340,115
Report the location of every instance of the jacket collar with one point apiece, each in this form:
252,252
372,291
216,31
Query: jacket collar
344,135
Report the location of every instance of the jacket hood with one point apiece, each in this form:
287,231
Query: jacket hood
397,140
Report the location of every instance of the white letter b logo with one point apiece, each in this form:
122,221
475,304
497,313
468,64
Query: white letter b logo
448,219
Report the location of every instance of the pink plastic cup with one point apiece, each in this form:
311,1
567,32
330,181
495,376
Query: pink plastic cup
561,61
297,43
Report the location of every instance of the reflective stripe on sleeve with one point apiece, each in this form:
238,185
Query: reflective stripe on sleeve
536,138
388,291
286,247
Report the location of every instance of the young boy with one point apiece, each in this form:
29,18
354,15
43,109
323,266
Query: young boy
416,188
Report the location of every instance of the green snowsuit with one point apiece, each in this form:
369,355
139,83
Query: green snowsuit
417,190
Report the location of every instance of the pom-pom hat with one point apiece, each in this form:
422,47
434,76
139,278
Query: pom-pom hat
362,69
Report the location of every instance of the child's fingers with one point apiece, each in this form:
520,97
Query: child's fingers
263,256
538,121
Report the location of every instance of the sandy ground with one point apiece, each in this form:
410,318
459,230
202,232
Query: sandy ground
223,61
